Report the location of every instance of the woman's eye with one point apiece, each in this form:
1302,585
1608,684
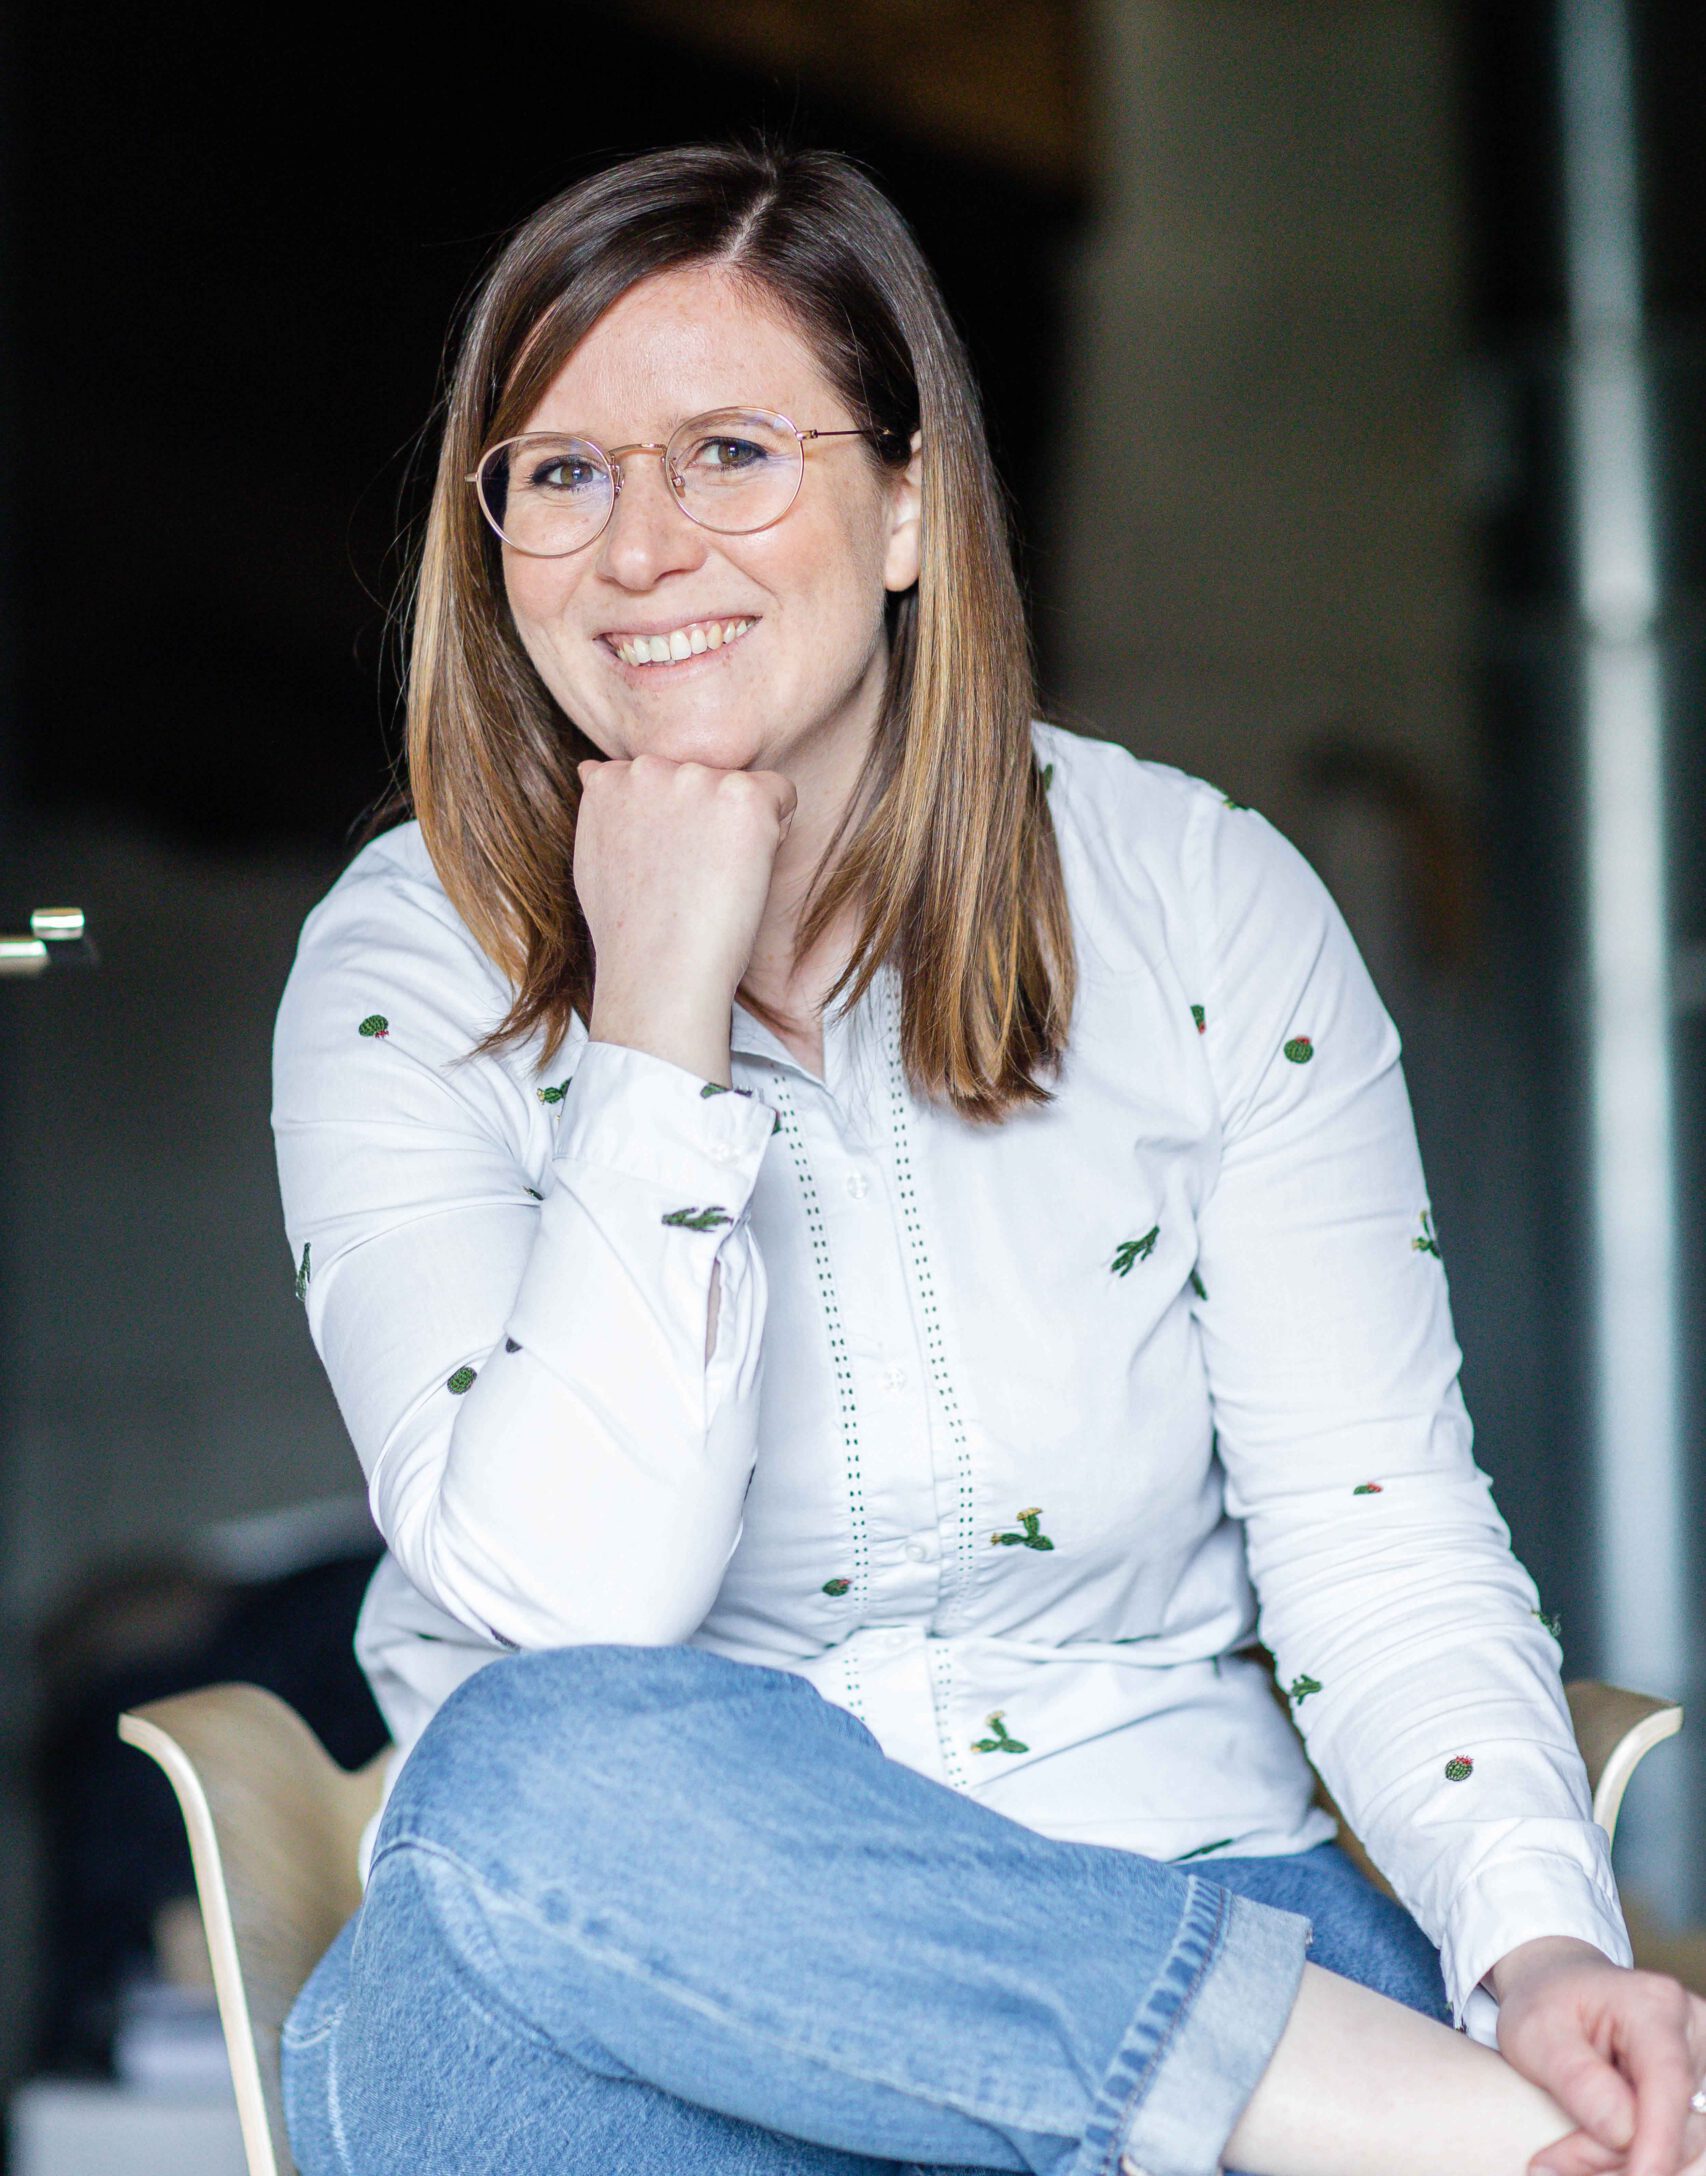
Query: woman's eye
727,454
563,475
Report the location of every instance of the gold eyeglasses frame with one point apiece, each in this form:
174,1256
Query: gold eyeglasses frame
611,459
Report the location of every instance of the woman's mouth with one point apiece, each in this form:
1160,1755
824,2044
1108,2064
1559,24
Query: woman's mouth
692,639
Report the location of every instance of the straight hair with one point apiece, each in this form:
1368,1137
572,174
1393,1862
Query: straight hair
950,850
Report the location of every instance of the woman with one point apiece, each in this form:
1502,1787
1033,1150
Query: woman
829,1457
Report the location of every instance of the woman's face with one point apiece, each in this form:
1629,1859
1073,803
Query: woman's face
809,670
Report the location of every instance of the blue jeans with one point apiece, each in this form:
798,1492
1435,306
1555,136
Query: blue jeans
646,1909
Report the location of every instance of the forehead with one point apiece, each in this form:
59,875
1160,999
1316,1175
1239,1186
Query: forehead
679,342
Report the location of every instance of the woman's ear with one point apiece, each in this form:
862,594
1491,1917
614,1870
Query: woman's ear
901,562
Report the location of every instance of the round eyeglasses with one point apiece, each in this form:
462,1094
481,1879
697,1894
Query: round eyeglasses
732,470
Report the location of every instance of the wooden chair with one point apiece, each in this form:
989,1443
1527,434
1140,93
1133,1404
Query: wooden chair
274,1826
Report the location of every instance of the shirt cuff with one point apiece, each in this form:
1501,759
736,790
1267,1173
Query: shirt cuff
1522,1900
631,1111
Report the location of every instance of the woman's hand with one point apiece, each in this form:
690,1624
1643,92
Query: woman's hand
672,868
1619,2049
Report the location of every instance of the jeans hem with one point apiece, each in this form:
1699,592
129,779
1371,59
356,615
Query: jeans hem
1200,2041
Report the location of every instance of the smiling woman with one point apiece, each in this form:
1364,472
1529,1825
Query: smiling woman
685,408
828,1472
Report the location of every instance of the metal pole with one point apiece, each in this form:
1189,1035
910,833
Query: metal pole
1641,1507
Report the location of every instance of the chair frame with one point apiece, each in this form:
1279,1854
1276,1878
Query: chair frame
274,1825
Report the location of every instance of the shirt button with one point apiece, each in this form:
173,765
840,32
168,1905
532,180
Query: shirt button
858,1185
895,1379
916,1552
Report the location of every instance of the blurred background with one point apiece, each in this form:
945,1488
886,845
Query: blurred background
1346,360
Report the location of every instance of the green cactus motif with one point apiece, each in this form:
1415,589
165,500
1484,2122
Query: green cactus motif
699,1220
1134,1250
462,1380
1427,1242
375,1024
302,1274
1459,1768
836,1586
1219,1844
1300,1050
510,1345
1301,1688
1198,1287
1001,1742
1048,776
1368,1488
777,1127
1552,1621
1228,802
554,1095
1030,1538
712,1088
1201,1019
534,1191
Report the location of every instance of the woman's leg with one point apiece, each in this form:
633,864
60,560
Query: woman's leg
611,1866
501,2098
606,1866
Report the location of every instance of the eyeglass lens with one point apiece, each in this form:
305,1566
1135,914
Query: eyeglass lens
732,470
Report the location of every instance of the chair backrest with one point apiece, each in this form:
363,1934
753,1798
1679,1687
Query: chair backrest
274,1826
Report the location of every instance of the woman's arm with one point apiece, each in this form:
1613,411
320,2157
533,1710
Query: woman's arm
558,1442
1408,1636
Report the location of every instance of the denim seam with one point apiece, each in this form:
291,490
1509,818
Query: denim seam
995,2117
517,2024
1131,2097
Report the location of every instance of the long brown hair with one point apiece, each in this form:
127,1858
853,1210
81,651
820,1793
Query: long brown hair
953,857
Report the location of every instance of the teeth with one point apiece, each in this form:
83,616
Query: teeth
690,641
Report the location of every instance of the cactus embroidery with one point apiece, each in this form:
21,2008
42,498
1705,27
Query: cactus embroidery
1201,1019
1228,802
1048,776
1001,1742
1219,1844
836,1586
303,1273
1301,1688
1134,1250
699,1220
510,1345
1030,1538
1198,1287
1552,1621
1459,1768
1426,1242
534,1191
462,1380
375,1024
1300,1050
554,1095
1368,1488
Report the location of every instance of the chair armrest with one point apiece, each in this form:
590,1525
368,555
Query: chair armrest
1615,1728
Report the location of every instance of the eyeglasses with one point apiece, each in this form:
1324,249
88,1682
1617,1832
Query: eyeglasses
732,470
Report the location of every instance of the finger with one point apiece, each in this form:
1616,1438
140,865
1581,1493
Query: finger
1585,2085
1656,2057
1578,2153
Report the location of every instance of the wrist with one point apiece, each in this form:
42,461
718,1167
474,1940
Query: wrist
1530,1961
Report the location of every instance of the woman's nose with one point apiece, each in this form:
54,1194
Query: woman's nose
647,535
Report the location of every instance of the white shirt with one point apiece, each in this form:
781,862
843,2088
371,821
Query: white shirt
1005,1430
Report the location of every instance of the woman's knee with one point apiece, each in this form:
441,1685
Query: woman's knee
561,1740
